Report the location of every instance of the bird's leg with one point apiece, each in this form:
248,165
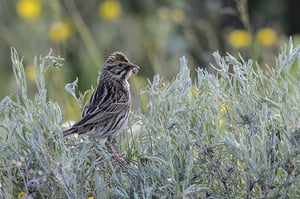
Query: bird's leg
117,156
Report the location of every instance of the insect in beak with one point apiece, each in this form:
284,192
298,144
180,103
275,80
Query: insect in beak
134,68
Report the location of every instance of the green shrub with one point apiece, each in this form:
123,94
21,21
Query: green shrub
233,134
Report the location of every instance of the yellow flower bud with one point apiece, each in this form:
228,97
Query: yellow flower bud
28,9
110,9
266,36
239,38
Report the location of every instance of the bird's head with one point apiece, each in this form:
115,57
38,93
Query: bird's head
119,67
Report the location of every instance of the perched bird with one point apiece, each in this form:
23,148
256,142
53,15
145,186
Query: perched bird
107,111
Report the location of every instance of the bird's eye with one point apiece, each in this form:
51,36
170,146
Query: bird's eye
120,64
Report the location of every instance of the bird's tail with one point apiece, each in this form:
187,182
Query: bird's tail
69,131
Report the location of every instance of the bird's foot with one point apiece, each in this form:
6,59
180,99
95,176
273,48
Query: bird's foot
119,158
116,155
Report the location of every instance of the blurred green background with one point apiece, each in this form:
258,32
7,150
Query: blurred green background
153,34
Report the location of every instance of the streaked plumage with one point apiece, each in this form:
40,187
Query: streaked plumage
107,111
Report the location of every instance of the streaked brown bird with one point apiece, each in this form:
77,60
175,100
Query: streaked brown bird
107,111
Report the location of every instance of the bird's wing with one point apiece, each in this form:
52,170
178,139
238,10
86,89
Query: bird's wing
98,114
102,106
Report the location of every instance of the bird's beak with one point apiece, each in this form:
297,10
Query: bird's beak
134,68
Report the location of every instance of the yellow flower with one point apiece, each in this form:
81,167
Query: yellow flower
91,197
240,164
193,92
28,9
59,31
239,38
110,9
266,36
21,194
221,122
177,15
223,108
30,72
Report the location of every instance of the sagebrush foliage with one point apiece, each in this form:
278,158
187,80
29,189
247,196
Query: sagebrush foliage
233,134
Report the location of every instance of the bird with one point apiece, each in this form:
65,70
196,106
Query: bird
106,112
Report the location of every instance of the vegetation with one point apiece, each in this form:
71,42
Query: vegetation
154,34
230,135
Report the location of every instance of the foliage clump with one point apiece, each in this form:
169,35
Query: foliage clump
233,134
